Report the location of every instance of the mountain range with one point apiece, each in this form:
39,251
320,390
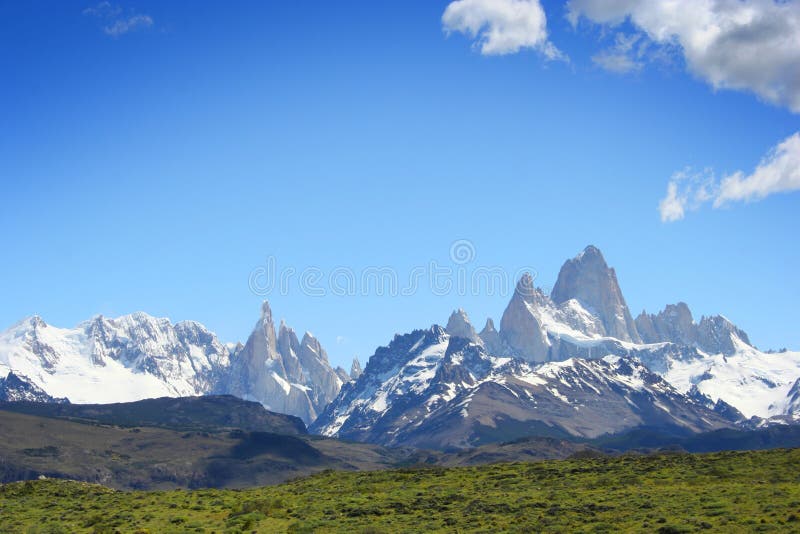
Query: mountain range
138,356
574,363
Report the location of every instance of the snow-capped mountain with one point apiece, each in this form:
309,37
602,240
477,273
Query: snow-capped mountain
435,390
137,356
284,374
588,280
115,360
570,363
573,362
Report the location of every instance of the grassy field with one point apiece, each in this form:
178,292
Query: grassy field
726,492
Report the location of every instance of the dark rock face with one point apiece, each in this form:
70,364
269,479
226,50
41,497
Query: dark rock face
14,388
793,400
589,280
721,408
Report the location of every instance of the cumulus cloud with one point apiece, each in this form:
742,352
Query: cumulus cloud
115,21
501,26
751,45
778,172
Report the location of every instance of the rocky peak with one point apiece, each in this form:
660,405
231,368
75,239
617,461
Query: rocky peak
311,345
266,312
525,287
459,326
588,279
674,324
36,322
287,343
289,347
282,373
263,336
355,369
716,334
520,329
491,338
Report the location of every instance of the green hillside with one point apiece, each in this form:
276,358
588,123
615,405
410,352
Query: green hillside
725,492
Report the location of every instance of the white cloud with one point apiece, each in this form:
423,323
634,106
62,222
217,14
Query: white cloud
103,10
501,26
115,22
625,56
778,172
749,45
128,24
687,191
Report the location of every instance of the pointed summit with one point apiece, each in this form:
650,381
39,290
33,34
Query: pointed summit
525,285
459,326
288,345
266,312
674,324
355,369
520,329
588,279
491,338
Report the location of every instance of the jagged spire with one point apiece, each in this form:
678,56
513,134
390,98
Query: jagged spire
266,312
491,338
458,325
355,369
588,279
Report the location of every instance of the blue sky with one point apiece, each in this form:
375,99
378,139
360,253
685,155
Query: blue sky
155,155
